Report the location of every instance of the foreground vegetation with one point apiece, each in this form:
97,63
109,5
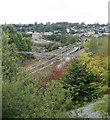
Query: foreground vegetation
78,82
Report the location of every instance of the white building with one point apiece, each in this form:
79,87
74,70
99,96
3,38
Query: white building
29,32
47,33
68,30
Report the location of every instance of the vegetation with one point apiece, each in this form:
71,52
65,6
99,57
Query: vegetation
65,39
87,75
10,61
102,106
22,43
58,26
78,82
57,41
44,27
17,40
48,46
23,95
98,46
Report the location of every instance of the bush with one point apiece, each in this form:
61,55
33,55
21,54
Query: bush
22,100
56,101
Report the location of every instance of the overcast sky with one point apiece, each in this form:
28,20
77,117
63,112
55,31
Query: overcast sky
42,11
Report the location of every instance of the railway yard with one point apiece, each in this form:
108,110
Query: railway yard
57,57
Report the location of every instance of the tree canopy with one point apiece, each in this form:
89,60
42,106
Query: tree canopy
22,43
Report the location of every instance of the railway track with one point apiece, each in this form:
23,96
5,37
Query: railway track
51,60
62,50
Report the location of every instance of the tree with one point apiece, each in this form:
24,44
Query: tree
56,101
91,45
98,66
21,94
78,80
10,61
97,46
22,43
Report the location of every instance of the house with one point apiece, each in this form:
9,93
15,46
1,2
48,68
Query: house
68,30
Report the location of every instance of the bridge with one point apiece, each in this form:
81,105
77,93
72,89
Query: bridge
47,54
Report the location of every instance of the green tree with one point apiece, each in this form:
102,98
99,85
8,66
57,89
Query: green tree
78,79
56,101
22,43
97,46
68,39
23,95
10,61
91,45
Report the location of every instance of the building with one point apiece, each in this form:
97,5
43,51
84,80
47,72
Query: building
68,30
47,33
29,32
37,36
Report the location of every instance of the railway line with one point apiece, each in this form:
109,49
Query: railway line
56,55
60,50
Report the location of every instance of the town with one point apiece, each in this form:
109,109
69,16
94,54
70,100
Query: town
51,32
76,29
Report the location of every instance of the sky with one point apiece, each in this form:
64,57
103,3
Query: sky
42,11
